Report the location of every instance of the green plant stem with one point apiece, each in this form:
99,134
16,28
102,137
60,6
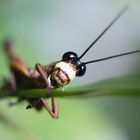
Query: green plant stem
122,86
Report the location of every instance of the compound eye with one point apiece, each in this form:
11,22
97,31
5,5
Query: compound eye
69,56
81,69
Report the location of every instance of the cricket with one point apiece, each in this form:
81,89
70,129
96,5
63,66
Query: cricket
54,75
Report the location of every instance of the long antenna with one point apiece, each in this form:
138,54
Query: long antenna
110,57
122,11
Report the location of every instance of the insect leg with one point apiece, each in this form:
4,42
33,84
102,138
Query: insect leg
54,112
44,75
17,66
33,103
15,62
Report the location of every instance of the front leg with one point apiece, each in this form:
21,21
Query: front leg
44,76
54,111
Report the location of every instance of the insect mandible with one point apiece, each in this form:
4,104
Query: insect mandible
54,75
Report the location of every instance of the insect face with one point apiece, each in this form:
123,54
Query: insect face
66,70
62,74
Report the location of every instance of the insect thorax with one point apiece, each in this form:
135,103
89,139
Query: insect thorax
62,74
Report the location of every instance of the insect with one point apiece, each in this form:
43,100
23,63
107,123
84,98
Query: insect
54,75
